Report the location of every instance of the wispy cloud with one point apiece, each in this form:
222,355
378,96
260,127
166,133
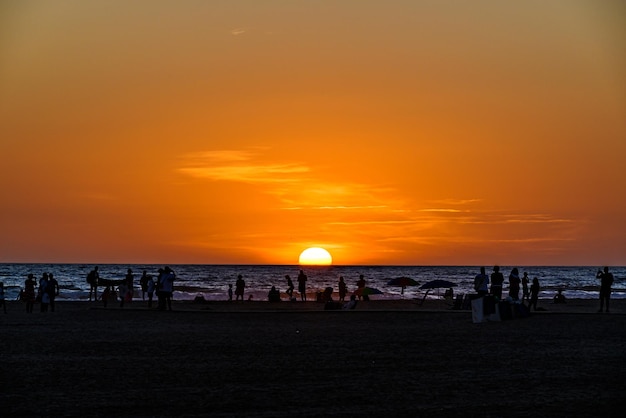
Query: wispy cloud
238,31
236,165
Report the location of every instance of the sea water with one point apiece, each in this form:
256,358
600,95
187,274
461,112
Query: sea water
211,281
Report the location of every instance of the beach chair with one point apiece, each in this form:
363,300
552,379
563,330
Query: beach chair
458,302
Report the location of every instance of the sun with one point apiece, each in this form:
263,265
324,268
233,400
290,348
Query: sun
315,256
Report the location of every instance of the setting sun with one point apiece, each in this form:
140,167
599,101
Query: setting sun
315,256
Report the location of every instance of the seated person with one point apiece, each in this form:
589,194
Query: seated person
273,295
326,296
351,304
449,294
559,297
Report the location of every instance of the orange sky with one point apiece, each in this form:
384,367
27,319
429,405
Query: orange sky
387,132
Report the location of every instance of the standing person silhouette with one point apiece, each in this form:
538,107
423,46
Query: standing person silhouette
53,290
167,288
360,287
29,293
130,286
240,285
302,285
92,279
496,282
143,282
481,283
606,281
534,293
343,290
289,290
514,282
525,291
150,290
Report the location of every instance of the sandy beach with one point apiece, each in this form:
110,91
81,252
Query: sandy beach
287,359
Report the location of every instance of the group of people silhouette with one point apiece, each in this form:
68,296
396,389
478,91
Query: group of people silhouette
529,294
273,294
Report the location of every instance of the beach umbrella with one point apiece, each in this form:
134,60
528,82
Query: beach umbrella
435,284
366,291
402,282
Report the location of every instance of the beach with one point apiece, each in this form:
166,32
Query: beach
388,357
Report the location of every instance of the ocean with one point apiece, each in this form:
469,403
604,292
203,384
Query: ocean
211,281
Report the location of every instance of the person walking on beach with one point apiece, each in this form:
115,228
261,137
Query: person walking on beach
289,290
240,285
2,301
481,283
606,281
534,293
496,282
514,282
29,293
92,279
302,285
53,290
525,291
343,289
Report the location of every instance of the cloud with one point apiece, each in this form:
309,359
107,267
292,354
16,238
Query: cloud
236,165
238,31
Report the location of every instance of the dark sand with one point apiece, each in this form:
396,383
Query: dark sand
386,358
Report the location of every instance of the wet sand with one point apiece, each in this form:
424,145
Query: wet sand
295,359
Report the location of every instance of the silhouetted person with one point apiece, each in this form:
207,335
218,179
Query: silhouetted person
559,297
52,290
343,290
290,287
360,287
230,292
481,283
240,285
167,288
351,304
42,294
496,282
143,282
534,293
130,286
514,283
525,291
150,290
28,296
273,295
302,285
606,281
92,279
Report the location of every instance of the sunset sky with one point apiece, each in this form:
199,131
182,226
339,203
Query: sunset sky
396,132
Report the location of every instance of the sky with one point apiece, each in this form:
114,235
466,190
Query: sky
396,132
